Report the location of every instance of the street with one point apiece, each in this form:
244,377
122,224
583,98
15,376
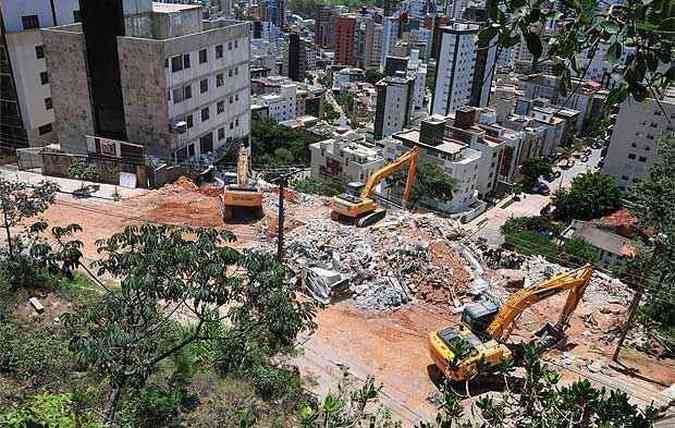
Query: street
488,224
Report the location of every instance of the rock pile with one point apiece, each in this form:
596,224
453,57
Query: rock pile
383,266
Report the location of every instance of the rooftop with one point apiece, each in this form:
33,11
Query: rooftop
607,241
173,7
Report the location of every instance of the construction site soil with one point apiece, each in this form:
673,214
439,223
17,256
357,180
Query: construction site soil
391,344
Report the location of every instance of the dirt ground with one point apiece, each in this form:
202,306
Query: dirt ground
388,345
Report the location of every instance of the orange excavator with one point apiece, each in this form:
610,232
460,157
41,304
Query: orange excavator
477,345
361,209
241,200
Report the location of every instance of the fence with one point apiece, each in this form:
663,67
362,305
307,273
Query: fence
29,158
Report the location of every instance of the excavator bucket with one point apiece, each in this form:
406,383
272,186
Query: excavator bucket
549,336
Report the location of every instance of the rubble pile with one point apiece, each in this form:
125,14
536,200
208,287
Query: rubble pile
383,266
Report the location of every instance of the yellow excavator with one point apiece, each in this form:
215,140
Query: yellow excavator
241,200
477,346
361,209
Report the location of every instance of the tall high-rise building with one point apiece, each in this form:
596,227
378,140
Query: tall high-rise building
439,21
345,30
391,27
301,56
395,103
454,67
633,147
26,102
324,29
151,74
486,60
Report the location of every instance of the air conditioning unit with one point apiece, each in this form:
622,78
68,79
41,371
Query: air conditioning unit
179,127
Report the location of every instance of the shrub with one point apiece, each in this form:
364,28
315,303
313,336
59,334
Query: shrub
47,410
580,251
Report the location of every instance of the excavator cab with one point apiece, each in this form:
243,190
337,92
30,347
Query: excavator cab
478,316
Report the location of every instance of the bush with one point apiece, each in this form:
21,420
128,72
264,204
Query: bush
530,243
47,410
157,407
581,252
275,382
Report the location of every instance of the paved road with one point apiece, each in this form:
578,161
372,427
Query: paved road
487,225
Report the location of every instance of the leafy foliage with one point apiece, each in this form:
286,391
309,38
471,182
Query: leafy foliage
329,113
276,145
318,187
653,202
580,252
533,168
373,76
431,183
592,195
48,410
83,170
643,26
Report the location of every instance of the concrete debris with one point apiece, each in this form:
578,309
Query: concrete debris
383,266
35,303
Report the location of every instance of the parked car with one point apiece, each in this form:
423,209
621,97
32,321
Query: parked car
541,189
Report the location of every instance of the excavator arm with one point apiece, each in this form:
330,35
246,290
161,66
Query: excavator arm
575,281
242,167
388,170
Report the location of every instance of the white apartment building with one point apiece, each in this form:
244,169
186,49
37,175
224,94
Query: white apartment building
633,147
282,105
344,159
418,69
390,29
395,101
455,67
27,106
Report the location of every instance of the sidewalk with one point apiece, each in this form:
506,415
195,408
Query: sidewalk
69,185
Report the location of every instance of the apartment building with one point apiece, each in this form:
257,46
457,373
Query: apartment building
301,57
324,30
344,158
26,101
455,67
281,106
391,27
345,33
395,103
151,74
633,146
417,68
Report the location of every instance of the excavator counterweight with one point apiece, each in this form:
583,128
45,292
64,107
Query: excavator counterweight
477,344
241,200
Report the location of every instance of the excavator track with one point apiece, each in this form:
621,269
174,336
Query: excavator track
371,218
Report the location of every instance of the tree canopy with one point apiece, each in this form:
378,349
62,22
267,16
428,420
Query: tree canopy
432,183
533,168
592,195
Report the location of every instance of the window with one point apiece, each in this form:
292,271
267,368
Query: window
236,71
166,63
206,143
186,60
203,86
176,63
220,107
236,123
229,46
220,80
229,72
44,129
39,52
236,97
236,44
44,78
624,177
77,17
48,103
205,114
188,120
191,150
188,92
642,159
633,145
219,51
221,134
30,21
177,95
631,155
231,99
231,125
202,56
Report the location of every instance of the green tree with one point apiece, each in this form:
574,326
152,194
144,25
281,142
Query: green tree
652,200
532,169
592,195
580,252
373,76
329,113
431,183
83,170
645,26
30,256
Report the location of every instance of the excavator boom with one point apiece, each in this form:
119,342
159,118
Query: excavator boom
391,168
574,281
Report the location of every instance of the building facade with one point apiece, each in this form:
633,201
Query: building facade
26,102
345,31
158,75
395,103
633,147
454,68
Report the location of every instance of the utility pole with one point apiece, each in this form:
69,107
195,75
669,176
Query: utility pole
280,226
632,310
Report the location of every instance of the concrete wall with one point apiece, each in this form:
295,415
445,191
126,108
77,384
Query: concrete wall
145,94
67,68
56,164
